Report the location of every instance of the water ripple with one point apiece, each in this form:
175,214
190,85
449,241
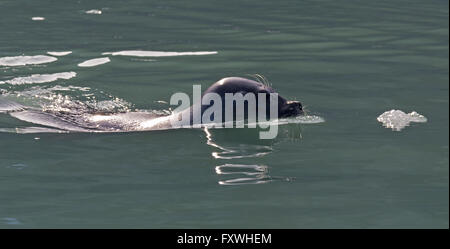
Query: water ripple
11,221
236,152
255,174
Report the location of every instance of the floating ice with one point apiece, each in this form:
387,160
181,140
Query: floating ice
38,18
63,53
94,62
39,78
397,120
141,53
18,166
93,12
26,60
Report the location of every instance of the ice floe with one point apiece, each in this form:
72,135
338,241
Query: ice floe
94,62
39,78
142,53
38,18
62,53
397,119
93,12
26,60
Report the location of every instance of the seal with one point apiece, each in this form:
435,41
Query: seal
82,119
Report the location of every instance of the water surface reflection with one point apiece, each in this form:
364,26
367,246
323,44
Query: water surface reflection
236,147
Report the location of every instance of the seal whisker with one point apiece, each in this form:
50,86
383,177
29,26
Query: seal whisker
256,77
261,79
305,109
265,81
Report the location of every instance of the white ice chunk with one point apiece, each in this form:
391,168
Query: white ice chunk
397,119
94,62
141,53
26,60
62,53
38,18
93,12
39,78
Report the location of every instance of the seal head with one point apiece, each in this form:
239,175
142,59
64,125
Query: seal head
241,85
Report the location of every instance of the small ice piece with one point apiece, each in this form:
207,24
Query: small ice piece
94,62
38,18
141,53
26,60
18,166
62,53
93,12
397,119
39,78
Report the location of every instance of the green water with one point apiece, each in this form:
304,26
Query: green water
346,61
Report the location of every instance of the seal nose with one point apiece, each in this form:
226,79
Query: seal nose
296,107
